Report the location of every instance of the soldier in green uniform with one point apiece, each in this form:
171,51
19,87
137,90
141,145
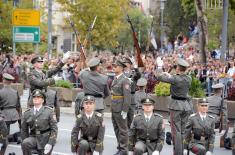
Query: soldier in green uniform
41,80
199,133
91,127
39,128
10,102
95,84
147,131
120,104
140,94
180,107
3,135
133,75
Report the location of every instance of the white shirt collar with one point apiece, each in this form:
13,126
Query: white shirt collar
89,116
202,116
36,109
148,116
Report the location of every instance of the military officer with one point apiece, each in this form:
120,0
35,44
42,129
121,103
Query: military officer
3,135
133,75
199,133
180,108
215,106
39,128
147,131
91,127
10,102
140,93
94,83
38,79
121,99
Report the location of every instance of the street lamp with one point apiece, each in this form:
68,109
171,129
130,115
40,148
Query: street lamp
162,7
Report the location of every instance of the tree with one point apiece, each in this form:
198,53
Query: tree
6,43
141,25
109,19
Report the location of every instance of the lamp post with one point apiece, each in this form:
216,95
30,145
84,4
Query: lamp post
162,7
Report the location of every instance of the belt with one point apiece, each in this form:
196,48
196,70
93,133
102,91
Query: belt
178,98
132,92
117,97
2,108
95,95
37,132
203,138
148,140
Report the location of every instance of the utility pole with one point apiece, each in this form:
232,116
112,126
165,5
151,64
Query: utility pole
162,7
224,30
49,48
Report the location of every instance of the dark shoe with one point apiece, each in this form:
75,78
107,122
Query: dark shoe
13,153
228,143
168,138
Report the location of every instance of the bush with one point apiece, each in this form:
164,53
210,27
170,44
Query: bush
162,89
196,89
63,84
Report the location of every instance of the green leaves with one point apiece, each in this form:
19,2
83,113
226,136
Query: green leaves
196,88
162,89
63,84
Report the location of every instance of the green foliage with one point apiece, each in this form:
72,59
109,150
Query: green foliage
141,25
177,16
196,88
109,19
6,44
63,84
162,89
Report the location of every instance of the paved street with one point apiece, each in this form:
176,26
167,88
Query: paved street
63,141
62,146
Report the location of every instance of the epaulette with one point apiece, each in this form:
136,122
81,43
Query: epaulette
49,107
194,114
79,116
156,114
99,114
139,114
27,110
211,116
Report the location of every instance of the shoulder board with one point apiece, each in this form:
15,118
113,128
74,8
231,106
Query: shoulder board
99,114
139,114
49,107
27,110
156,114
79,116
194,114
211,116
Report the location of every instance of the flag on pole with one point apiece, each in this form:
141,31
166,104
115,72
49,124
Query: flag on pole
153,41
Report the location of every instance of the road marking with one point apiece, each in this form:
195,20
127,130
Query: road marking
53,153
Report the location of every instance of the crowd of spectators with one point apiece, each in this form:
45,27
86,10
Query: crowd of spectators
212,72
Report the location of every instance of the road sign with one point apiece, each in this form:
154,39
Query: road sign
26,17
26,34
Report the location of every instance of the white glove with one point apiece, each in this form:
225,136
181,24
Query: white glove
208,153
185,152
155,153
47,148
222,132
95,153
66,56
1,146
56,78
130,153
124,114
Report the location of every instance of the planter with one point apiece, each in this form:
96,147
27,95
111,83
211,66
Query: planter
74,93
17,86
65,96
161,102
231,109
